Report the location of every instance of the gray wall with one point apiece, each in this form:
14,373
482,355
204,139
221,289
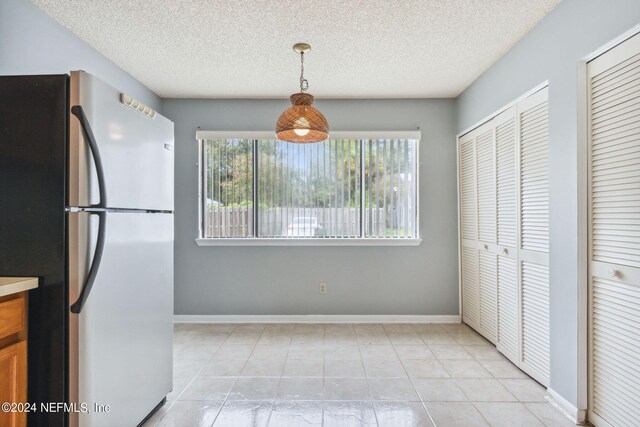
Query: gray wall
31,42
551,52
285,280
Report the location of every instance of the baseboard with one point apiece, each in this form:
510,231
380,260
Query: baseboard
316,318
578,416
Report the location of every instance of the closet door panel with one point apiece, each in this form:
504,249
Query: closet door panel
535,320
614,231
506,179
468,231
487,266
534,173
486,183
533,251
508,308
468,207
508,312
470,289
615,165
615,351
486,202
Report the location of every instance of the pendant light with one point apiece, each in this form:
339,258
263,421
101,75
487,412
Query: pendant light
301,122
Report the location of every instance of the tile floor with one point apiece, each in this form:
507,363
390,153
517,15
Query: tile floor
347,375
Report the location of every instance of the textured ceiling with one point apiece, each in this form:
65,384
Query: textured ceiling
242,49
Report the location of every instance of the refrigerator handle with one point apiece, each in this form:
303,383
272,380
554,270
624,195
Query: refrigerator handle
77,111
77,306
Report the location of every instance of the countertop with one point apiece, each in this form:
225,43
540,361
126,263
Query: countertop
11,285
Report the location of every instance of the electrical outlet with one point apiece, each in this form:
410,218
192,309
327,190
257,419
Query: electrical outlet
323,288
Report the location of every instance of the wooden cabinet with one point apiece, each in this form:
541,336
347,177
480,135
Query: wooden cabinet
13,382
13,356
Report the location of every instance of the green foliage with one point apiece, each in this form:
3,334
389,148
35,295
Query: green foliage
329,177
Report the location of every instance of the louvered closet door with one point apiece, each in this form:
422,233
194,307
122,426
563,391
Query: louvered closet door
507,217
486,201
533,117
614,267
468,232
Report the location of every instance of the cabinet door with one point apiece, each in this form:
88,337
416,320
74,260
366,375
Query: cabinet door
614,246
533,115
13,382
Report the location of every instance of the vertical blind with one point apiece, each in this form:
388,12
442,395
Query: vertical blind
227,188
390,188
309,190
339,188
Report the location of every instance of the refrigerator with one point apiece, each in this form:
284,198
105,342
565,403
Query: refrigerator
86,205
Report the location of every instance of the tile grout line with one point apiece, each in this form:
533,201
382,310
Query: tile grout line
273,402
192,379
409,376
465,393
474,403
517,400
234,382
521,402
366,377
275,398
424,405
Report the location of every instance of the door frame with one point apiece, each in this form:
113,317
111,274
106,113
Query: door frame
583,124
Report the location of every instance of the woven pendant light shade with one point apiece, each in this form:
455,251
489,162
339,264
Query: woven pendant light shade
301,122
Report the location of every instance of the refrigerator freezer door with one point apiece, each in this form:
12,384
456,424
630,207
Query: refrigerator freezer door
121,342
136,150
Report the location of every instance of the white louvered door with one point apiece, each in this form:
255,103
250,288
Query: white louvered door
487,227
468,232
504,232
507,339
614,236
533,117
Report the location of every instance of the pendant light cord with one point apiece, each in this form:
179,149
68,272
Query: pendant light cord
304,83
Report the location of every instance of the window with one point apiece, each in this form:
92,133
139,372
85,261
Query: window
347,188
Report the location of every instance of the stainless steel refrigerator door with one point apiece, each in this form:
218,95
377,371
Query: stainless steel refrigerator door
136,150
121,342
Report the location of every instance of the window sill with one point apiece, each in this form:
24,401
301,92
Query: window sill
306,242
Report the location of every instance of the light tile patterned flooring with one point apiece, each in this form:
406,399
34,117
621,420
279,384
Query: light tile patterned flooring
347,375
